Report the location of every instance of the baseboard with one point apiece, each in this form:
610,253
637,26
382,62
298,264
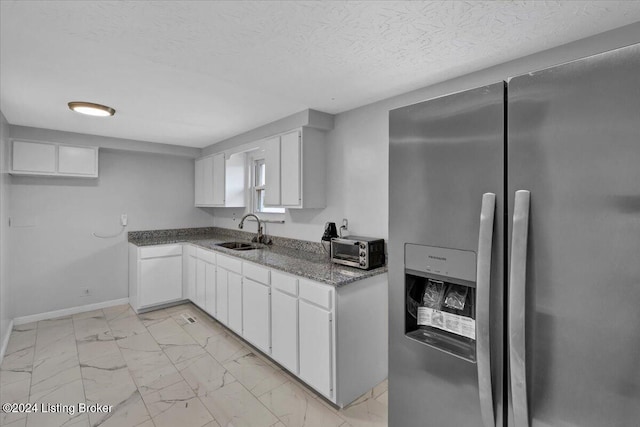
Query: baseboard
5,341
68,311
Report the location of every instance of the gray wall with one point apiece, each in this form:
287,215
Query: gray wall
54,256
6,313
53,252
358,146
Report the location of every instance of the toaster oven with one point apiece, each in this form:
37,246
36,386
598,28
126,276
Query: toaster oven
359,252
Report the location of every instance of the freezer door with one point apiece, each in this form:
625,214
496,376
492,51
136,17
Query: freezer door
444,155
574,144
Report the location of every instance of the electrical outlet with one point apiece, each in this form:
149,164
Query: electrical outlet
85,292
123,220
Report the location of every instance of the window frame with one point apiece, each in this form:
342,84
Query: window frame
255,161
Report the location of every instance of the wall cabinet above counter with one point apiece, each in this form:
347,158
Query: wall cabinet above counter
53,159
294,168
220,181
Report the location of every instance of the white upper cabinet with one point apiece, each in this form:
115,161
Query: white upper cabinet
272,171
51,159
290,165
199,182
295,169
220,181
81,161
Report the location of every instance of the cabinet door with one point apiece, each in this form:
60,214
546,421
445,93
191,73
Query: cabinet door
315,347
200,283
208,180
161,280
210,288
77,160
218,195
272,171
34,157
234,290
222,298
290,169
191,277
199,182
284,330
255,314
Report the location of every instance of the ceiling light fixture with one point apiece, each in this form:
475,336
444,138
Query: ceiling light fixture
91,109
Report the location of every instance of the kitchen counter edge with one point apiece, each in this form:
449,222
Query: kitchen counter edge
305,264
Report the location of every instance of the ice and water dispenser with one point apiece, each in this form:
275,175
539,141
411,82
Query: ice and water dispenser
440,292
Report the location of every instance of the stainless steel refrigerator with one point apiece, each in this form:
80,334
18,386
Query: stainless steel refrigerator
514,251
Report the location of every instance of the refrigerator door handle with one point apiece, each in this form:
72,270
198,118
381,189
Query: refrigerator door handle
517,292
483,300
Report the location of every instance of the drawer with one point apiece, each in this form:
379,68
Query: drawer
284,282
160,251
316,293
231,264
207,256
255,272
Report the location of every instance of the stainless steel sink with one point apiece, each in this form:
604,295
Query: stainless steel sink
239,246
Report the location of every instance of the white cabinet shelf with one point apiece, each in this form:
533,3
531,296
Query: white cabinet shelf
52,159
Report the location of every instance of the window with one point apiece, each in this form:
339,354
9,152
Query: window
259,168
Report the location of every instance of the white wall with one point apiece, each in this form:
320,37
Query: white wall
358,146
6,312
53,252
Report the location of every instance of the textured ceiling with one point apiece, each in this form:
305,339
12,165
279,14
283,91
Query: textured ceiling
196,72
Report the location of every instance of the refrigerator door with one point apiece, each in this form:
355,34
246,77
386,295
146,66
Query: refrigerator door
574,144
444,155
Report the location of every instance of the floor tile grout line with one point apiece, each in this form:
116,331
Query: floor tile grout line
226,371
127,363
185,380
289,377
31,373
75,341
220,330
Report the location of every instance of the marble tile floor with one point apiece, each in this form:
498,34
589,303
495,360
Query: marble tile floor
157,369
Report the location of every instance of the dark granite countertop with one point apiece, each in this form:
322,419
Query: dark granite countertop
290,257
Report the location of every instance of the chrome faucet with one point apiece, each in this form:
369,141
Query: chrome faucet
260,238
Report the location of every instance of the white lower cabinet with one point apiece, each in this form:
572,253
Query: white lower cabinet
155,275
200,300
210,289
284,320
189,269
222,288
234,291
205,295
256,314
332,338
316,347
284,329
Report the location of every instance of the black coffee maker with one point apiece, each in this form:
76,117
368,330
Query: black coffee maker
330,231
